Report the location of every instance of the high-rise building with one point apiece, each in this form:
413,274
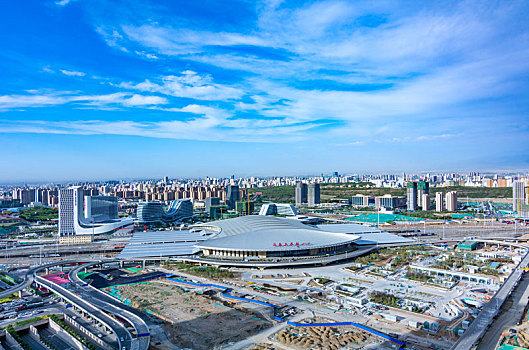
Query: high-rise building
313,194
411,195
451,201
422,188
518,195
210,201
101,208
41,196
425,201
73,222
301,193
439,201
245,207
68,210
24,195
232,196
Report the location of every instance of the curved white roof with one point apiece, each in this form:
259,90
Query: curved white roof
268,233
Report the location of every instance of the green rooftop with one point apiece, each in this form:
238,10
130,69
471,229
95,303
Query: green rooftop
374,218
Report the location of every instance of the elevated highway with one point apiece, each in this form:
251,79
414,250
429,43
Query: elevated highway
486,317
29,277
92,302
124,337
110,304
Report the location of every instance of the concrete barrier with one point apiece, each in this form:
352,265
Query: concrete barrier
34,333
74,324
72,340
12,343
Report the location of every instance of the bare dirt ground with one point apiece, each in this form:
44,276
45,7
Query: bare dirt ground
192,320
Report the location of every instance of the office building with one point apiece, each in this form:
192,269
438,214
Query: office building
313,194
411,195
101,208
217,211
360,200
451,201
390,202
210,201
74,224
245,208
301,194
232,196
518,195
439,201
278,209
153,212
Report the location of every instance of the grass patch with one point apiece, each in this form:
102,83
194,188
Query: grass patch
31,320
203,271
322,281
385,299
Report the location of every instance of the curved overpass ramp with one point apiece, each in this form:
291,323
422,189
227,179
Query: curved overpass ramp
91,303
105,302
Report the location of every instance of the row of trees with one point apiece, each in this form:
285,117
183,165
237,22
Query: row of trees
11,330
385,298
204,271
72,332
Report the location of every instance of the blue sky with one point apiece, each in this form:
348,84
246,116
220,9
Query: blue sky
135,89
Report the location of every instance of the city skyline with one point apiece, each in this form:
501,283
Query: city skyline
94,90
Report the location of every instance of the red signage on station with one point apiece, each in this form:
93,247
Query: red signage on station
291,244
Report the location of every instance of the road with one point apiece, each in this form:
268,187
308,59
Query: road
119,329
28,278
55,339
108,303
35,345
93,327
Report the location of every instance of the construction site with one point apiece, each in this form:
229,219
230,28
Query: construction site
192,318
323,337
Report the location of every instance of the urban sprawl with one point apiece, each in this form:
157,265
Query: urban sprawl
406,261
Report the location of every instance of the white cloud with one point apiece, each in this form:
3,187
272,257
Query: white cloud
181,41
192,122
348,144
21,101
190,85
309,68
146,55
37,99
62,2
140,100
112,37
72,73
